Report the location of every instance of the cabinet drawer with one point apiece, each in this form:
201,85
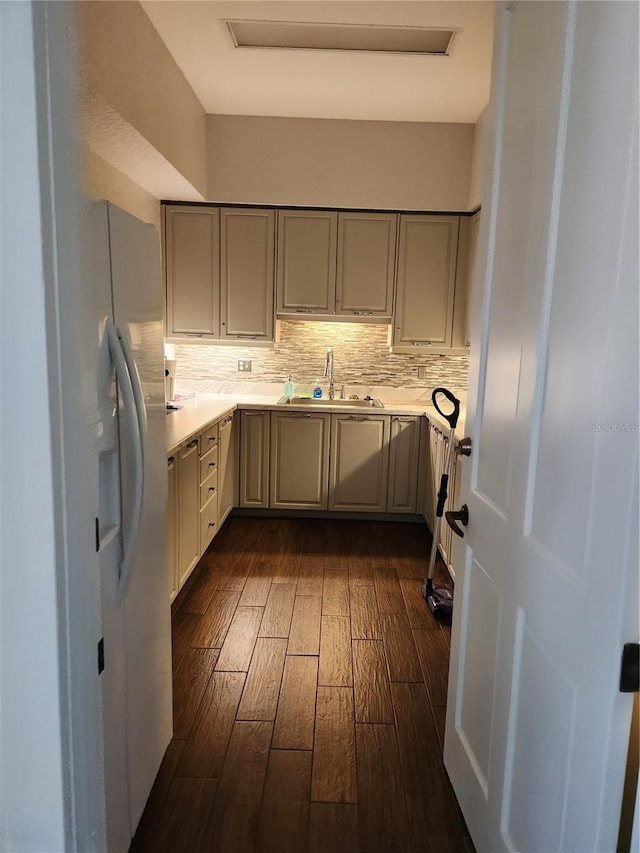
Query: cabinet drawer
208,487
208,463
208,438
208,522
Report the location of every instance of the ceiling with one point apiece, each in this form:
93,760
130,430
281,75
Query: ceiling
331,84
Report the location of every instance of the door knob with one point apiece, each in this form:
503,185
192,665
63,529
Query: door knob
453,518
464,446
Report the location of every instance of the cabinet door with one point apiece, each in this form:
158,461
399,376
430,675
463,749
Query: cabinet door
403,464
359,463
192,271
426,280
433,482
227,468
247,245
172,526
254,459
188,510
299,460
307,261
366,262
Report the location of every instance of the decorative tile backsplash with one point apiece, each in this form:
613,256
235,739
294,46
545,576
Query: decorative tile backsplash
361,359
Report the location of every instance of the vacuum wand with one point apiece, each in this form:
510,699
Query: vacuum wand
440,599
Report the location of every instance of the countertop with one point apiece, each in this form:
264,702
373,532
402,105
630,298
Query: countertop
200,411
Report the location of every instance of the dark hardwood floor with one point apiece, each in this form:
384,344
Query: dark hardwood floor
310,687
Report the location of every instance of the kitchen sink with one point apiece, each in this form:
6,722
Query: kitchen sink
310,401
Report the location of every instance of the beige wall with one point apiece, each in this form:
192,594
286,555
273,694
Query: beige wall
477,160
396,165
126,70
104,181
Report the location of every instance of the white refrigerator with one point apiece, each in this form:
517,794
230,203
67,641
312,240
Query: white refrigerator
130,527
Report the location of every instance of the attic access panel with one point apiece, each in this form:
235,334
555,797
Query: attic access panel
292,35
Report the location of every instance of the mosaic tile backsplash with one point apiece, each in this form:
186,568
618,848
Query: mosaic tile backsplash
361,361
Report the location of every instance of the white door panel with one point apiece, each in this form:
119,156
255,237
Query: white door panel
536,730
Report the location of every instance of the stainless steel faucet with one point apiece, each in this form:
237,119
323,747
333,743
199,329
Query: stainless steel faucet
328,371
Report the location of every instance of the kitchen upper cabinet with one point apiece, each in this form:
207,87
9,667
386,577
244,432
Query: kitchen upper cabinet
188,510
366,263
359,463
192,267
247,239
403,464
299,460
254,459
427,256
172,526
227,468
307,242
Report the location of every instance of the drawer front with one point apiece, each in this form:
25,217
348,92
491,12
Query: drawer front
208,522
208,438
209,486
209,463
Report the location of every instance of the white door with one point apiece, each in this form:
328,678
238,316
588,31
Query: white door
546,594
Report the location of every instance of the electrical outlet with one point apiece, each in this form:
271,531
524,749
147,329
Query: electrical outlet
244,366
422,371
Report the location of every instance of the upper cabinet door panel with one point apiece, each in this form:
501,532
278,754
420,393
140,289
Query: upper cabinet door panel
247,239
307,261
366,261
426,279
192,269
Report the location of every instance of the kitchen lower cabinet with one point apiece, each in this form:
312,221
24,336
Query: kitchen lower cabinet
403,464
299,460
254,459
188,510
172,526
208,491
359,463
227,468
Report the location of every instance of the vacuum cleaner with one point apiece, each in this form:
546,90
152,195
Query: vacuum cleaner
440,598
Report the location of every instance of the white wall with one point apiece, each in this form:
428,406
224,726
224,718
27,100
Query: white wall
477,160
104,181
395,165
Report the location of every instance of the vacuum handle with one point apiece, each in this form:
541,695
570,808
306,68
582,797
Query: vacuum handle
452,417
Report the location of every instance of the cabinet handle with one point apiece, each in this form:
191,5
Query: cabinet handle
298,415
403,420
171,460
253,414
211,438
246,337
211,489
362,313
193,443
357,418
305,311
212,464
421,344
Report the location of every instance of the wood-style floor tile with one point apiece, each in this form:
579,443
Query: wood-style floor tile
310,578
334,747
260,696
382,814
185,823
440,719
433,655
335,593
189,682
257,586
417,609
333,828
184,627
204,751
278,610
212,629
295,716
234,820
284,816
304,634
365,622
399,647
371,683
335,652
153,813
388,591
235,654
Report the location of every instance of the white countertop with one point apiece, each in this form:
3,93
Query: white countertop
203,409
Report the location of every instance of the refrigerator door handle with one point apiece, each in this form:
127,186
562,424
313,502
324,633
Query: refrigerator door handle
127,379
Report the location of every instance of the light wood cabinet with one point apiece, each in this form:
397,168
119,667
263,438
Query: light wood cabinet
359,462
307,242
188,510
427,256
366,264
247,238
254,459
227,475
192,267
208,491
403,464
172,526
299,460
